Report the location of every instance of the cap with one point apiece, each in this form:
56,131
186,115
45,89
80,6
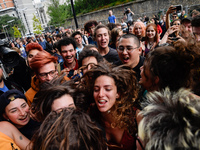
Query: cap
5,99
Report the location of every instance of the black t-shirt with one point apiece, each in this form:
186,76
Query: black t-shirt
29,129
112,57
137,68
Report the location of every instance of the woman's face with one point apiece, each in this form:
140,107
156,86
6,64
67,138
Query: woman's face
117,38
146,78
31,54
62,102
12,45
17,111
138,30
88,63
105,93
177,22
131,29
48,39
151,32
152,20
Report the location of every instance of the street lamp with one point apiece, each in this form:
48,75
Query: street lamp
10,21
5,31
74,14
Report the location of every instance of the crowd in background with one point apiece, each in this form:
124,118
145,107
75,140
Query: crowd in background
128,85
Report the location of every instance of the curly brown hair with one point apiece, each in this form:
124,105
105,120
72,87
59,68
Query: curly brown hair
126,83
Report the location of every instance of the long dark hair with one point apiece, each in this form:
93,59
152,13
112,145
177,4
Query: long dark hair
68,129
126,83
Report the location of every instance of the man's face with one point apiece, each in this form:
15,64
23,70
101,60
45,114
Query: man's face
129,58
174,17
78,39
31,54
102,38
47,72
196,32
91,29
68,53
188,26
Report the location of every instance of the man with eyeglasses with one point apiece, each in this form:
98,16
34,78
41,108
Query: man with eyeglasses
129,51
44,66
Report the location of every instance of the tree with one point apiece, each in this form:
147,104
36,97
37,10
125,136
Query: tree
17,33
58,13
5,21
37,27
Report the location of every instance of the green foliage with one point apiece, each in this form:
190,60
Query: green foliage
37,27
59,13
17,33
4,20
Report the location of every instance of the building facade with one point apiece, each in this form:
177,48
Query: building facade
22,9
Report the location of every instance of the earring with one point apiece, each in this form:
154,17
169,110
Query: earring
8,119
108,111
117,95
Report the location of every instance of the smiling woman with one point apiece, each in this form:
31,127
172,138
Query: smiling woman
113,91
151,39
15,109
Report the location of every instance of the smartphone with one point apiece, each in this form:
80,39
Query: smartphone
175,39
71,73
179,8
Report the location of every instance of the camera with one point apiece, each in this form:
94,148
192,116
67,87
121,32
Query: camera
8,58
126,11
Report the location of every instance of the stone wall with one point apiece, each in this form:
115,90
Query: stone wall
139,7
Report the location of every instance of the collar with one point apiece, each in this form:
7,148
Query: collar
76,66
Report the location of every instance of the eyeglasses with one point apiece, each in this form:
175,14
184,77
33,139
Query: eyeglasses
121,49
45,75
174,16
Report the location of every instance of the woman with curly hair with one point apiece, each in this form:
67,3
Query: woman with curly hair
68,129
114,91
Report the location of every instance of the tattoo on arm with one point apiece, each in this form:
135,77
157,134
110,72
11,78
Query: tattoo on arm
20,137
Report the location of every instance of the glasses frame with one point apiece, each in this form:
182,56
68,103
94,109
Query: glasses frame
45,75
128,51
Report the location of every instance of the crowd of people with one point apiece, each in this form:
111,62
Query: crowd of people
129,85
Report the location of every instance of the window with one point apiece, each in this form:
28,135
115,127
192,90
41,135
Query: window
4,3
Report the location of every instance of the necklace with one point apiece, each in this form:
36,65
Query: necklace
150,44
